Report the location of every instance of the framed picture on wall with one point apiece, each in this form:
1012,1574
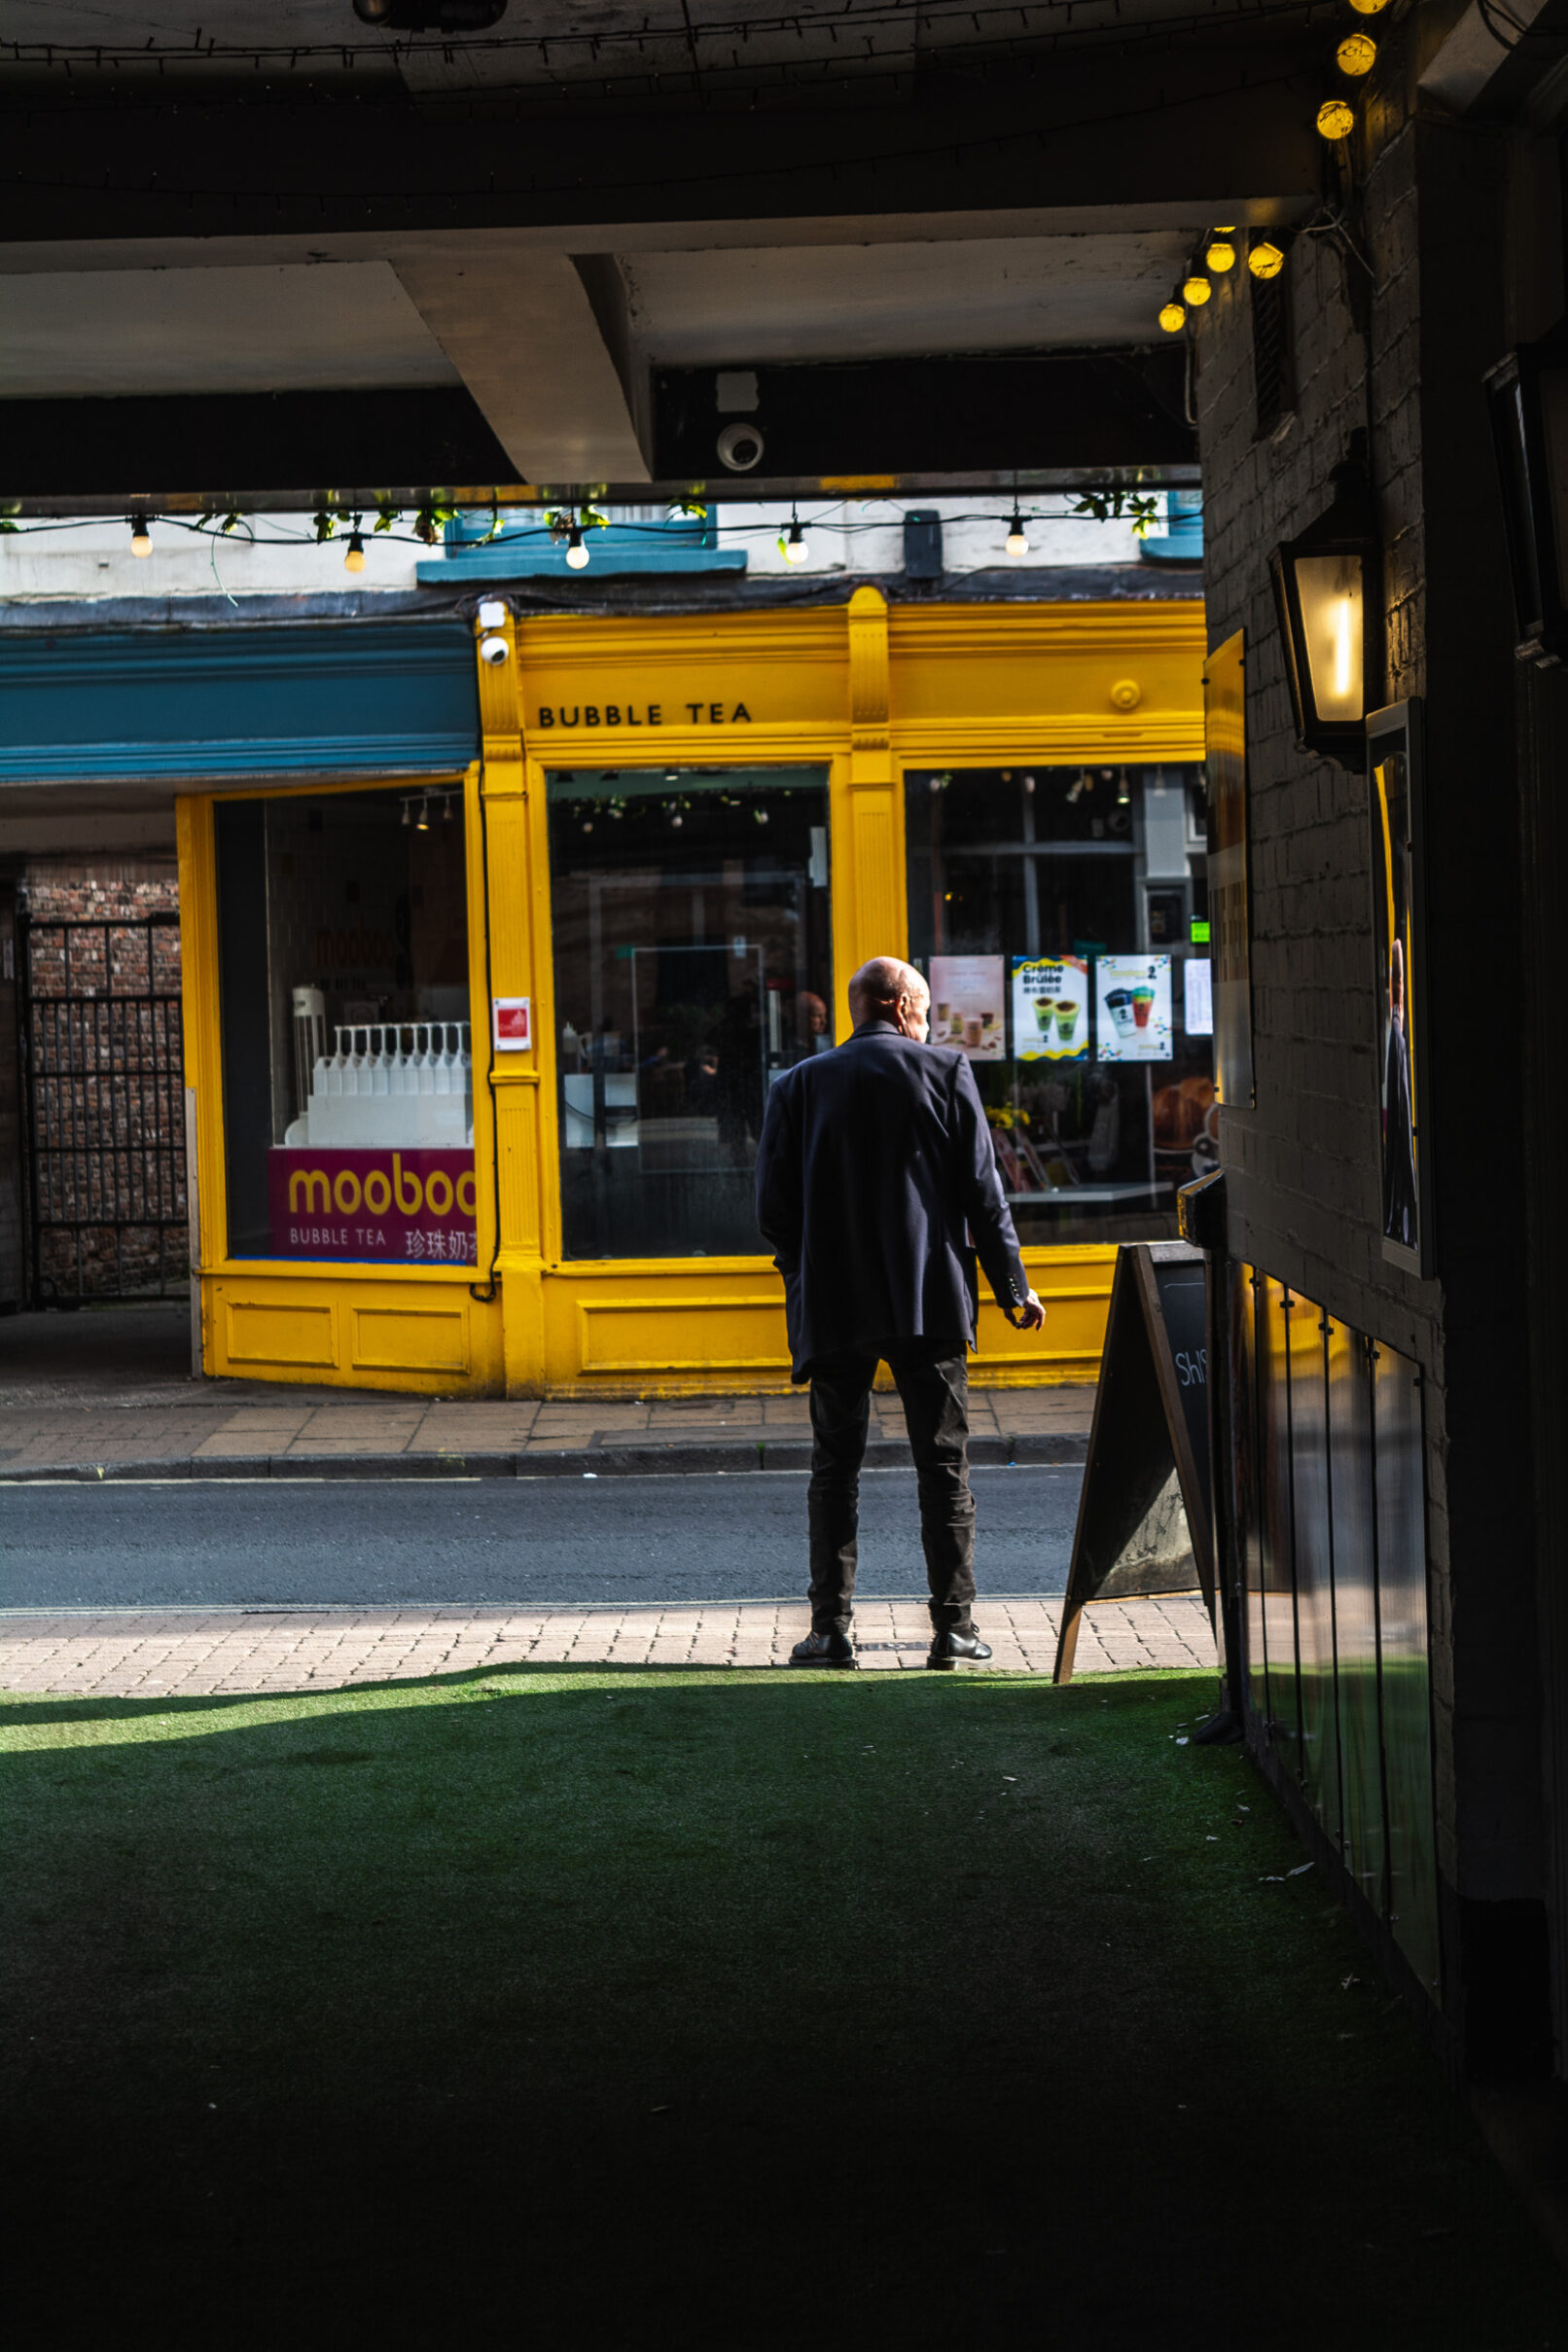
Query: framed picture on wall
1398,980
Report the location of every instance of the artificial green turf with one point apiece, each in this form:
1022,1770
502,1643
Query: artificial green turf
766,2009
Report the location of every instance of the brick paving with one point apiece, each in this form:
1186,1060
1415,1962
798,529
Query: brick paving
195,1652
100,1435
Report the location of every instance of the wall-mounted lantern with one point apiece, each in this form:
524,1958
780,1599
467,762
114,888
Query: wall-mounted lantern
1527,394
1329,593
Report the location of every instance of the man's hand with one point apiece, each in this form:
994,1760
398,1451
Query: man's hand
1030,1316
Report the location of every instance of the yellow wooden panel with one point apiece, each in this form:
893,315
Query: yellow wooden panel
683,1333
280,1332
409,1337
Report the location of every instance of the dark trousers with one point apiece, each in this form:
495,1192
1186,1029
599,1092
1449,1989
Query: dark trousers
935,1393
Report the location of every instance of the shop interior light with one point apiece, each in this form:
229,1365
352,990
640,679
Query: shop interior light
1527,394
1173,318
1326,591
354,560
422,820
446,808
1017,538
1265,260
141,537
1336,120
795,550
1196,292
1356,54
407,812
577,554
1221,255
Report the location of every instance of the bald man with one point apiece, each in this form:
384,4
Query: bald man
876,1189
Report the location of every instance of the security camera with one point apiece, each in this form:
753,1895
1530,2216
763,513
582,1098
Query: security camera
493,649
740,448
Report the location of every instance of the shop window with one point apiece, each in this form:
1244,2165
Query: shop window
1060,916
692,964
347,1055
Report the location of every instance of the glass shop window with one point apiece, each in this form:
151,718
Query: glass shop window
1060,917
692,963
347,1055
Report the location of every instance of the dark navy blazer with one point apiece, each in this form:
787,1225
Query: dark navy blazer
873,1158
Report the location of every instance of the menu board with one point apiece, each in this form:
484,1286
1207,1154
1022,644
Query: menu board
1132,1005
968,1004
1197,997
1050,1008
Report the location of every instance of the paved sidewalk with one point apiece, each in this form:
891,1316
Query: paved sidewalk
288,1436
189,1653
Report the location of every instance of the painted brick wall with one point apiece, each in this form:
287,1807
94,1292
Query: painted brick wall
1392,339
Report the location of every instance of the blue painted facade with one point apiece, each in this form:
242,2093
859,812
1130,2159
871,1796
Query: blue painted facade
377,698
681,543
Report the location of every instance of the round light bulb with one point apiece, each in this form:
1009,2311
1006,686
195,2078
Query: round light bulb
1173,318
795,550
1336,120
577,554
1221,256
141,537
1356,55
1017,538
354,560
1369,7
1265,260
1196,293
1225,229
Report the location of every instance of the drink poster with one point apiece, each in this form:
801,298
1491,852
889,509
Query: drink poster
1050,1008
1132,1005
969,1005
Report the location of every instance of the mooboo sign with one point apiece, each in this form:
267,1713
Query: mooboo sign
406,1206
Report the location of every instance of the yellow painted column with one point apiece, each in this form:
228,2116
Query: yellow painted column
199,1022
869,913
508,853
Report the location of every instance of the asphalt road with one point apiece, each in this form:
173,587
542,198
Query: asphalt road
528,1543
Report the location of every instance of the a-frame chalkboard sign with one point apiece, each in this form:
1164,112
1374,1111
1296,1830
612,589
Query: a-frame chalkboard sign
1145,1524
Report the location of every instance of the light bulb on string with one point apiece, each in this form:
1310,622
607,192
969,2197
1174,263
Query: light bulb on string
577,554
1173,318
1196,292
1017,538
354,560
1336,120
1265,260
1221,255
795,550
141,536
1356,55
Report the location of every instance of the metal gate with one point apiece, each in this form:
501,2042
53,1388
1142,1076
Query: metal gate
103,1106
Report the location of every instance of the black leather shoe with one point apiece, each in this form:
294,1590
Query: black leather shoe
949,1648
831,1649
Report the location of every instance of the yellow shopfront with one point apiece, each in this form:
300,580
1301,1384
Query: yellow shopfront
476,1063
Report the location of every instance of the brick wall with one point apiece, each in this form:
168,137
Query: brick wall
1398,349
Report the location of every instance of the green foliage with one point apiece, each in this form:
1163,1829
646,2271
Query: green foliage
1117,506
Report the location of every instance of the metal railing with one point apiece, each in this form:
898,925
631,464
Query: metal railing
103,1107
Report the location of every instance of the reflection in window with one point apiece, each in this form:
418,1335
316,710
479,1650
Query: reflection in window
348,1057
1060,917
691,917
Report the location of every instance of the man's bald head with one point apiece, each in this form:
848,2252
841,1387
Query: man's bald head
885,989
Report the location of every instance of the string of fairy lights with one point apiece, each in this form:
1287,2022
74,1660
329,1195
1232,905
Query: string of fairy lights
1355,55
571,528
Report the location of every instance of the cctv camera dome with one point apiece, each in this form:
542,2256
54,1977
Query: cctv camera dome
740,448
492,650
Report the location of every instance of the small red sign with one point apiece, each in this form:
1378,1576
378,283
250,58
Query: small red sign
512,1018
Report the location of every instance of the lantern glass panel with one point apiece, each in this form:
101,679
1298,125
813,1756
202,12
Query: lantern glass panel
1330,588
1554,386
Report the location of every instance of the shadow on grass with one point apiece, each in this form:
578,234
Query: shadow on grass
765,2008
